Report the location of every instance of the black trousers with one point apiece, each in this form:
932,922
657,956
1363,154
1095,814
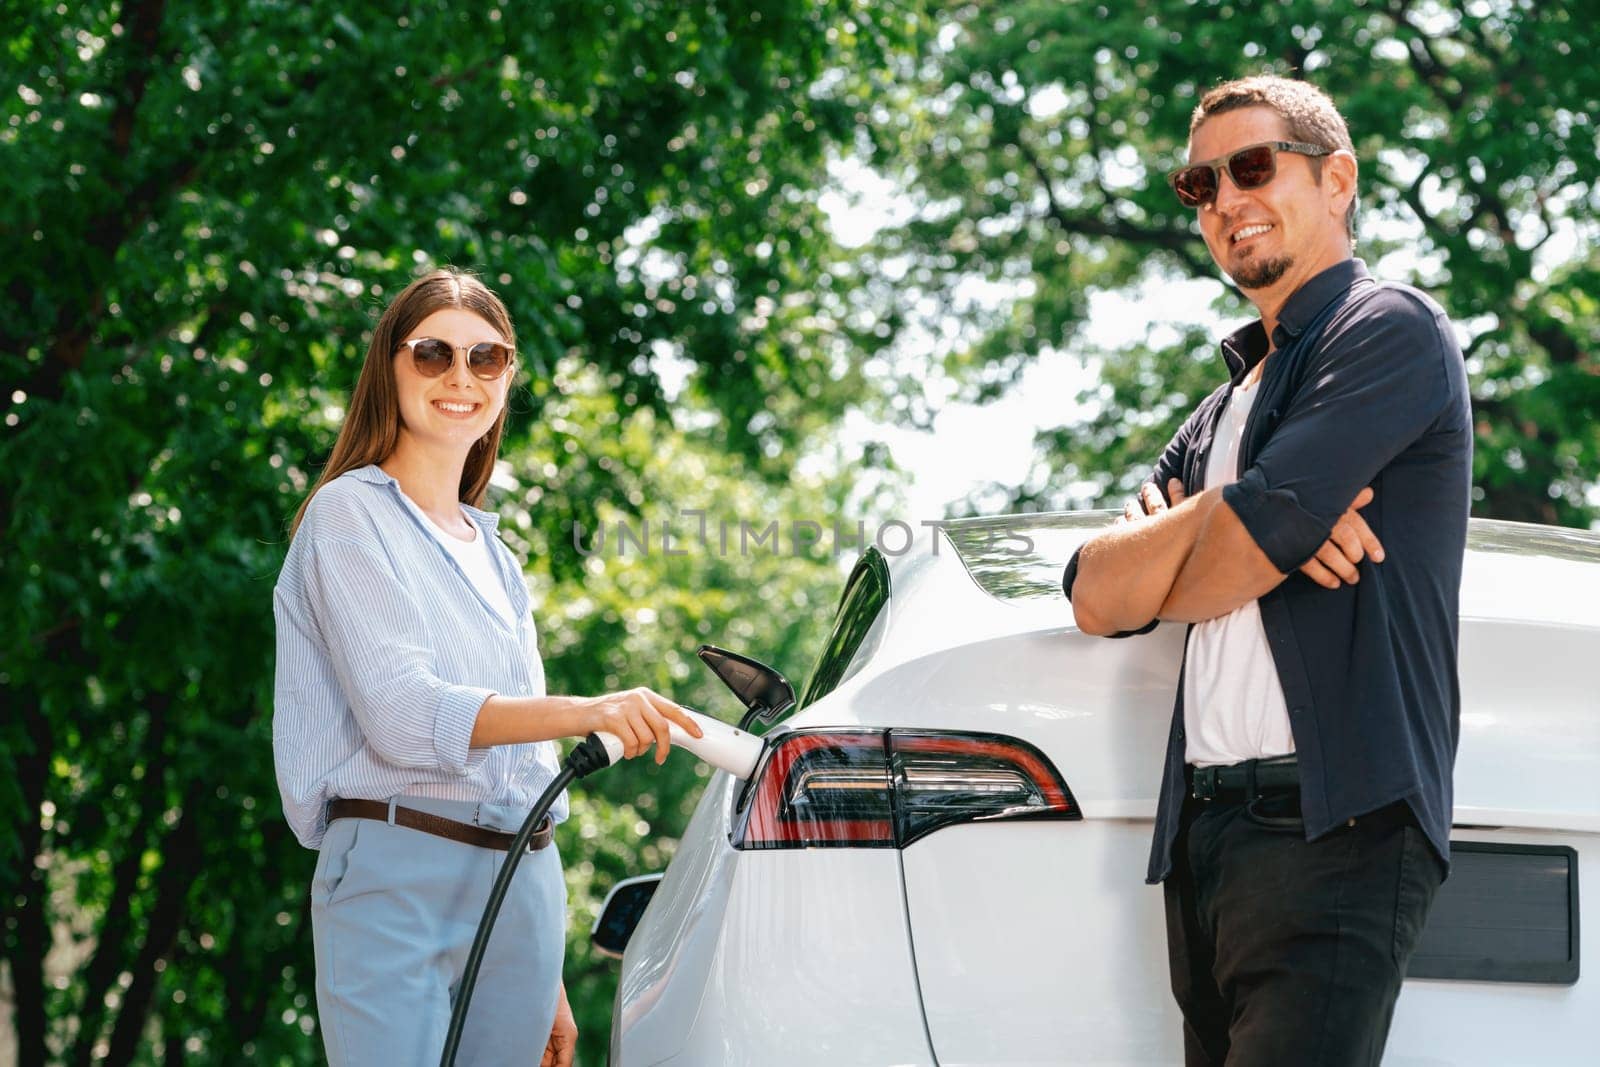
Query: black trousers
1288,952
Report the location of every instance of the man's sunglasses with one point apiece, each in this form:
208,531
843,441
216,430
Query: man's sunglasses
1250,167
433,357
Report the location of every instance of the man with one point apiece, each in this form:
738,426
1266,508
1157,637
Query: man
1312,533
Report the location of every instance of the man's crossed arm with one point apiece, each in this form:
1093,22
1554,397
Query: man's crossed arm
1195,560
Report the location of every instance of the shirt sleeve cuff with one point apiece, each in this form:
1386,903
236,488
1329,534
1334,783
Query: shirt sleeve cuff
453,722
1071,573
1274,519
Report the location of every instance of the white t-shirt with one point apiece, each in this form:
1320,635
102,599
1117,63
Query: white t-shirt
476,560
1233,706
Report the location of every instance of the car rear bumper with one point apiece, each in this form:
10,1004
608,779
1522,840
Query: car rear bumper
772,958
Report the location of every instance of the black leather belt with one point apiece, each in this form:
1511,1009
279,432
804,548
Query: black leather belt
438,825
1245,781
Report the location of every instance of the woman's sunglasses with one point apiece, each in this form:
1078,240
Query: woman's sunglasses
1250,167
433,357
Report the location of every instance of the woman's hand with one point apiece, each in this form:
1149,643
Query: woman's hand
558,1051
638,718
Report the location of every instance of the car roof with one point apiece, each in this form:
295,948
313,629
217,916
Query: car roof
1021,557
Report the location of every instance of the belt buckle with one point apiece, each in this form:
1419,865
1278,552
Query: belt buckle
1205,783
509,838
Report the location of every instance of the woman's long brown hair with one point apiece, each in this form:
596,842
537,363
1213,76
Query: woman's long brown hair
372,427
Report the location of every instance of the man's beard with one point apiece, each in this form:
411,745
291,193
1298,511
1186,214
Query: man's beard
1258,274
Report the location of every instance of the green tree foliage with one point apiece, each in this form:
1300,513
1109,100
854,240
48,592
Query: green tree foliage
1036,136
206,206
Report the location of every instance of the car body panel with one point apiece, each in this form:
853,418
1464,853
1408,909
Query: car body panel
784,958
1461,1023
1036,943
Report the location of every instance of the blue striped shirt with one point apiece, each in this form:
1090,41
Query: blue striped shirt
386,652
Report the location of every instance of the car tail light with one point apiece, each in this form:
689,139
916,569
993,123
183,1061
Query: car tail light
888,788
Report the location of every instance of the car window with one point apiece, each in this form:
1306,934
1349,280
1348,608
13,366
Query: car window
857,628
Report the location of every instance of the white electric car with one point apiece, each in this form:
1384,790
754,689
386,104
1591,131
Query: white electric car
940,858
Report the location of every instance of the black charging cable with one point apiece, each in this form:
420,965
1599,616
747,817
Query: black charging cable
587,757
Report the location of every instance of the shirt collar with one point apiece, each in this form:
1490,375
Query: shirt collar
1247,346
376,475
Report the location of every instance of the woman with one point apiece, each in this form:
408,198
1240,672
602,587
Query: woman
411,729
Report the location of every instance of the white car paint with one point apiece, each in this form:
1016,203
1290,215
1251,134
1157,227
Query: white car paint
733,958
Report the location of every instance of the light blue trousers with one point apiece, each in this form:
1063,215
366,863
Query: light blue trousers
393,913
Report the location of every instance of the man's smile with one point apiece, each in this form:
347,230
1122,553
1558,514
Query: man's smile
1244,233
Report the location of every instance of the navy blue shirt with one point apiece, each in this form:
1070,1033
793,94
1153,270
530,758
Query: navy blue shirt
1366,387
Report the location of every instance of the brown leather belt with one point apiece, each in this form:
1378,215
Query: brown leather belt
438,825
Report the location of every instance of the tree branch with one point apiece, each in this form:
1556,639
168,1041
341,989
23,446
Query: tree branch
142,25
1561,345
1178,243
251,982
1479,341
1422,59
116,928
1412,195
1435,75
29,943
107,229
180,856
439,81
